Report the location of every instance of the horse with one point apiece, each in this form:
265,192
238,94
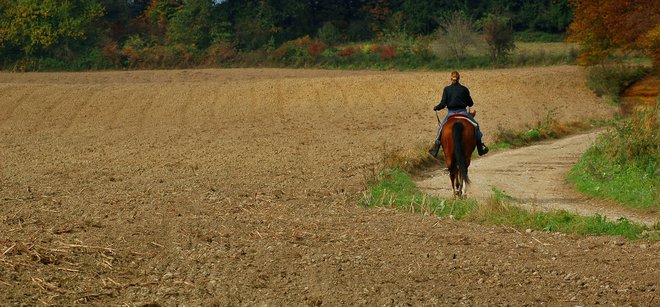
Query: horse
458,142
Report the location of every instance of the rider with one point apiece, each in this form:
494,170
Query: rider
456,98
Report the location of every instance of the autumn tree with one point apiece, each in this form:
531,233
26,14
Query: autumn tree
378,11
603,27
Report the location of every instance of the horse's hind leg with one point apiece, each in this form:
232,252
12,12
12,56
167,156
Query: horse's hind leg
463,189
460,186
452,176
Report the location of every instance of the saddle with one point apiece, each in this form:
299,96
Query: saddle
461,116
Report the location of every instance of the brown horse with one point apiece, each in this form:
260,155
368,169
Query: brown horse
458,142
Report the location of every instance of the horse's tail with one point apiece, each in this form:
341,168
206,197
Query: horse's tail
459,153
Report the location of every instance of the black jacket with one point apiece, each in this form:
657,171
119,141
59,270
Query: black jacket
455,97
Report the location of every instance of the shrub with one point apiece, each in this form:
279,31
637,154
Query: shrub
220,52
623,163
186,55
316,49
610,80
298,52
112,53
131,52
159,56
457,33
92,59
636,141
498,34
387,52
348,51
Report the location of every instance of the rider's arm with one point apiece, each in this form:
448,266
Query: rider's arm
443,101
468,99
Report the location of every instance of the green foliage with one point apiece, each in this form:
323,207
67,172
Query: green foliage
191,24
254,28
543,16
624,163
610,80
395,188
46,28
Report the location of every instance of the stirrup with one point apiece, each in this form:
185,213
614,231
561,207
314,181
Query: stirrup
482,149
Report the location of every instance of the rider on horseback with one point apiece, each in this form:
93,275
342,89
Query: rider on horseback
456,98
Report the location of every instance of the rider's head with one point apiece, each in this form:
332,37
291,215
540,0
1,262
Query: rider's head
455,76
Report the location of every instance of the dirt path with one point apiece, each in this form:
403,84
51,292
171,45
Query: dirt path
535,177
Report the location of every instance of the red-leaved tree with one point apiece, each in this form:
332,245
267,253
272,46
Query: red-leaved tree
603,27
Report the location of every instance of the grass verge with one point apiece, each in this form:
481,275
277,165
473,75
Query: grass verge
623,164
394,188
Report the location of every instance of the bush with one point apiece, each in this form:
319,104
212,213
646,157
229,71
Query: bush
158,57
220,53
348,51
636,141
457,33
298,52
498,34
92,59
131,52
610,80
623,164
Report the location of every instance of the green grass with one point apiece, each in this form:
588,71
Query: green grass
501,211
623,164
395,188
597,175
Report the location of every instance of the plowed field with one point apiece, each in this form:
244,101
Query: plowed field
240,187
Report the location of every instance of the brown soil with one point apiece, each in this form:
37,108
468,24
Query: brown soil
240,187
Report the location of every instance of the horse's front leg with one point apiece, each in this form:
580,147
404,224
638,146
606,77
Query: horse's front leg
459,185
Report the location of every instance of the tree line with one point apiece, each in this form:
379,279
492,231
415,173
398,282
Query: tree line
84,34
90,32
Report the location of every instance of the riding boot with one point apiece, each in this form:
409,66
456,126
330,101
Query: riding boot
481,148
434,150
